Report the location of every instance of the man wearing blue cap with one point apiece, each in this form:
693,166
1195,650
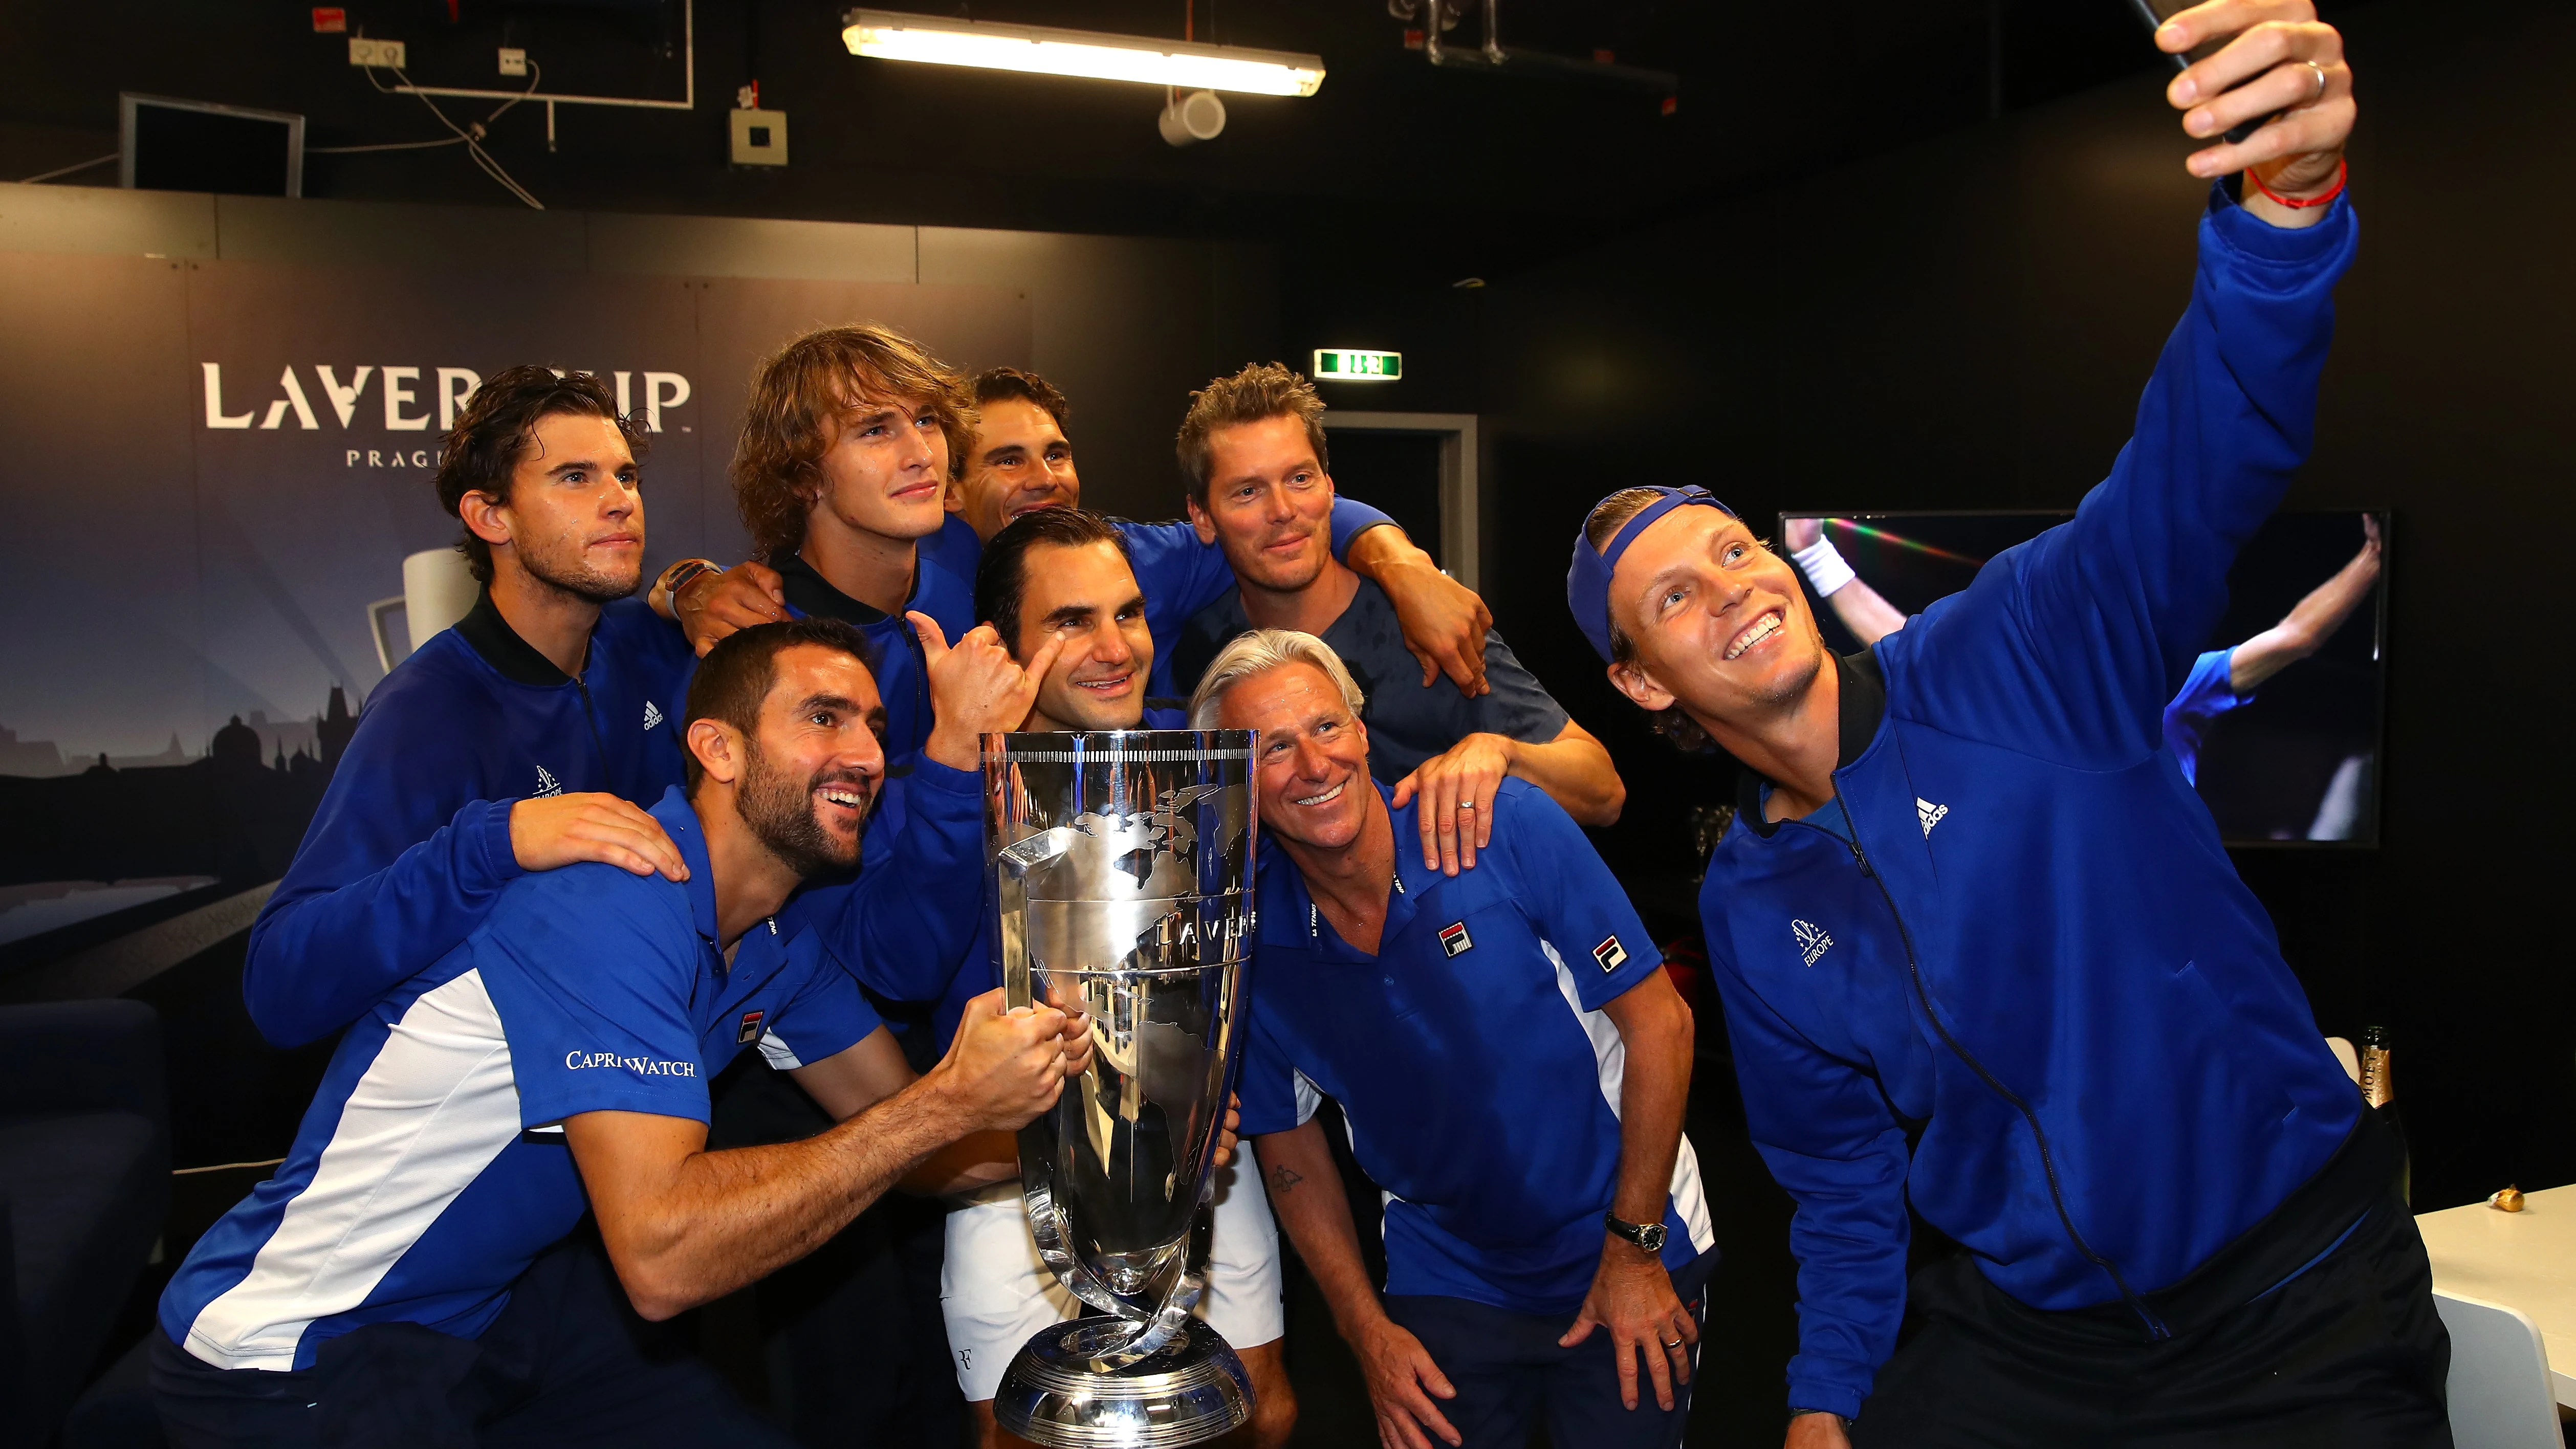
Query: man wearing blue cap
1970,900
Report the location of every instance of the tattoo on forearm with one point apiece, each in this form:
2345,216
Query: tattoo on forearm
1282,1179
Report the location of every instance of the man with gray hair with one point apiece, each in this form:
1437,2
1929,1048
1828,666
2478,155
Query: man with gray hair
1252,455
1518,1002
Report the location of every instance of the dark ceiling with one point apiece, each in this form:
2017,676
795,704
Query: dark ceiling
1451,170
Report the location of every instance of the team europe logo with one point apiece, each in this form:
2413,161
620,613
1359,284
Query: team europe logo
1811,939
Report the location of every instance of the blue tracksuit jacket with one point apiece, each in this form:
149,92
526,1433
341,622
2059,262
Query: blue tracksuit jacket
2032,947
411,845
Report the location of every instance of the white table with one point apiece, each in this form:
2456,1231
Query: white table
2524,1260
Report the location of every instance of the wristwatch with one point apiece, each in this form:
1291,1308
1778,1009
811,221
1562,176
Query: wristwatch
679,576
1649,1236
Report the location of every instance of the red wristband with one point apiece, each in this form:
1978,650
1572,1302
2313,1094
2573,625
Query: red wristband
2343,173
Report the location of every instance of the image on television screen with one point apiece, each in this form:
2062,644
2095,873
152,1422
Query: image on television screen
2277,724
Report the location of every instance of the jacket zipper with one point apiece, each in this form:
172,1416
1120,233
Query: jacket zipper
2156,1327
590,716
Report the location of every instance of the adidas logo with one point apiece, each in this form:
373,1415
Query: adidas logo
652,715
1811,939
1929,813
547,784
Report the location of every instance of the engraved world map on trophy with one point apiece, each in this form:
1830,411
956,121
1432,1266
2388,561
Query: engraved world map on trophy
1123,873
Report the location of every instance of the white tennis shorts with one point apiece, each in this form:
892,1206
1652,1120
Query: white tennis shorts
996,1293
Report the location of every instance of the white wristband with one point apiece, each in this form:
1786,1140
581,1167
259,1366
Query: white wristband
1824,567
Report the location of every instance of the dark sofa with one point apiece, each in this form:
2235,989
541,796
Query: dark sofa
84,1188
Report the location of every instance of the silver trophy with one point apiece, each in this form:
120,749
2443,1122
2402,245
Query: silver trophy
1123,871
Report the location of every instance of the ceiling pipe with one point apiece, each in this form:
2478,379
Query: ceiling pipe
1494,56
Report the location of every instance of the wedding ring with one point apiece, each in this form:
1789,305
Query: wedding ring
1466,804
1676,1343
2321,81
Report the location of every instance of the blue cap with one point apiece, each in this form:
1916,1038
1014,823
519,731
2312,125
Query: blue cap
1587,583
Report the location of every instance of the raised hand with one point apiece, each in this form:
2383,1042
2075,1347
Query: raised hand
1457,790
976,688
552,831
1633,1297
712,605
2282,59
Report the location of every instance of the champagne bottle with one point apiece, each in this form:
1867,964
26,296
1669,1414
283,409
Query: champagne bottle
2379,1091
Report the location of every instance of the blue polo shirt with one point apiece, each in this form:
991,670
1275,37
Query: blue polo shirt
1470,1056
421,1183
2207,692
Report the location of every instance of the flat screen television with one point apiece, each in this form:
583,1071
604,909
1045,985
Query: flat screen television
174,145
2279,725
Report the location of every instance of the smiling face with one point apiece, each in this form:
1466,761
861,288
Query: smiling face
1310,768
812,771
1717,621
1087,595
1020,462
884,469
574,518
1269,504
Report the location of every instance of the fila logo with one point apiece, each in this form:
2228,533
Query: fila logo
1610,954
1453,938
1929,813
547,784
652,715
1811,938
749,1031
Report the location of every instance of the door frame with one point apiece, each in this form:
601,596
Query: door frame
1461,531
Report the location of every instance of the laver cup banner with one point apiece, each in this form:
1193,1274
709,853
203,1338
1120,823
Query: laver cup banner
214,469
1122,875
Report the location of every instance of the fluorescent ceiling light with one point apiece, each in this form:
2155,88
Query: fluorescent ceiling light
1045,50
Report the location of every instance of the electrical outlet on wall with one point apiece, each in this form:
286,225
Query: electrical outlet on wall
387,54
514,61
759,137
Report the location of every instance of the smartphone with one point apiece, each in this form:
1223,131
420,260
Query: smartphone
2155,13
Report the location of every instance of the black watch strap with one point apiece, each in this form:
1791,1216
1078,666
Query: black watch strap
1637,1233
679,577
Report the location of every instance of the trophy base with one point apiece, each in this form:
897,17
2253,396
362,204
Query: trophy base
1191,1390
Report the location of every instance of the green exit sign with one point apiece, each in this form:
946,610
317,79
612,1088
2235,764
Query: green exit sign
1352,364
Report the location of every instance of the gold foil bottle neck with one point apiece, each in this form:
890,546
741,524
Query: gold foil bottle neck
2376,1087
